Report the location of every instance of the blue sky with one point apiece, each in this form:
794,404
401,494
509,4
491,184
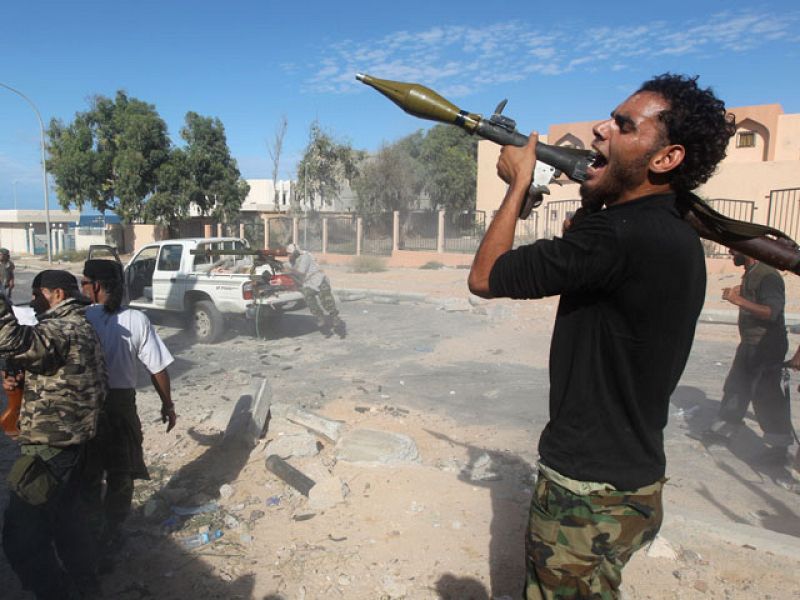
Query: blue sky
251,62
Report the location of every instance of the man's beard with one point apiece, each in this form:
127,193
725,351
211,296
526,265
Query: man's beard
618,178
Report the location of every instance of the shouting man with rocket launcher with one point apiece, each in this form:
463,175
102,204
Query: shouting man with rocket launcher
631,276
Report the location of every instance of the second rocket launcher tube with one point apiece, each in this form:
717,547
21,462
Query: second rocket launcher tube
423,102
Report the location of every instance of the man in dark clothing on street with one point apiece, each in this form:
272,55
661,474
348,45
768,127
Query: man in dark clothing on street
755,374
631,276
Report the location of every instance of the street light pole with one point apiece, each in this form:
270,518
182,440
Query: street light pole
44,167
15,194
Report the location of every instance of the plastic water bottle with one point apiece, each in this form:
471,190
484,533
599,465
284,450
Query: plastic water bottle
200,539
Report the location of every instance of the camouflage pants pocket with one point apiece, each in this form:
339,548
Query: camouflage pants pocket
577,545
32,481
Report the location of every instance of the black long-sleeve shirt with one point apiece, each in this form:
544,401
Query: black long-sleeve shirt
632,282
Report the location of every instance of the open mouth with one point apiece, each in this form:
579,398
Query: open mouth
599,161
597,165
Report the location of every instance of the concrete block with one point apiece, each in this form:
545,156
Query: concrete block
249,416
299,445
370,447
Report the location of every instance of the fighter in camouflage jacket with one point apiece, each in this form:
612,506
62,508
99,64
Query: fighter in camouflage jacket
65,379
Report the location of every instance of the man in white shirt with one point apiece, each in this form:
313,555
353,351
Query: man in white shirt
316,289
126,336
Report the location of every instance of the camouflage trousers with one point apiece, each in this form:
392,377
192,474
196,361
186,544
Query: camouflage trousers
322,301
576,545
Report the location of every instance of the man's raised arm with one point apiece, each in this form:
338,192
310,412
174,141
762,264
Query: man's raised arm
515,167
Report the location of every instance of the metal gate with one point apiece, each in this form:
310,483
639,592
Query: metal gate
280,231
741,210
309,233
419,230
553,215
342,234
527,231
377,234
464,231
784,211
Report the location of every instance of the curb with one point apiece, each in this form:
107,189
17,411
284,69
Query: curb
739,534
710,316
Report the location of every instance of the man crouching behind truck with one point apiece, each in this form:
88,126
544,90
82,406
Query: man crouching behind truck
631,276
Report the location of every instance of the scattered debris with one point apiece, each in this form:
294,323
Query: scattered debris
661,548
185,511
288,474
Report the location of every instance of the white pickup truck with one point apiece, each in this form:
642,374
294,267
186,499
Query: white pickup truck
181,276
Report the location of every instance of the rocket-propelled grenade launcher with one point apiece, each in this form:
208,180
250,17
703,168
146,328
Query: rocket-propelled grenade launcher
761,242
423,102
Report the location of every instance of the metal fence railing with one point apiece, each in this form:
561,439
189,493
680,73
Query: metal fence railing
784,211
309,234
527,231
342,234
463,231
741,210
280,231
552,216
377,234
419,230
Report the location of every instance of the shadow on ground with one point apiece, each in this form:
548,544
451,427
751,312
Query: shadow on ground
745,446
509,479
152,564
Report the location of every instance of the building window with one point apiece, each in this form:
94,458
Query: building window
746,139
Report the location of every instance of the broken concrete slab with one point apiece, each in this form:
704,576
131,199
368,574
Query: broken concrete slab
298,445
281,426
327,493
371,447
249,416
325,427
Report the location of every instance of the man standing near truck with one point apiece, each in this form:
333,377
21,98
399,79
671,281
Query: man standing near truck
127,336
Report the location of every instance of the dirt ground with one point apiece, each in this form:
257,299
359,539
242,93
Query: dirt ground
432,529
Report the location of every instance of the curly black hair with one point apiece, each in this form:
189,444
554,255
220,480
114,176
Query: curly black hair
696,119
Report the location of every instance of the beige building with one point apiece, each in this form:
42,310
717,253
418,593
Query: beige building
759,180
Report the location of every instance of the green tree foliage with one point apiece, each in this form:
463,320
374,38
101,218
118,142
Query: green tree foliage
118,156
325,166
215,184
440,165
449,158
109,156
392,179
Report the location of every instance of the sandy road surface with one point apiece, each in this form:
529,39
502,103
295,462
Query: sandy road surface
434,528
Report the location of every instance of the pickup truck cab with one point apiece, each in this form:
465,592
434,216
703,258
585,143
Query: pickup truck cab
190,276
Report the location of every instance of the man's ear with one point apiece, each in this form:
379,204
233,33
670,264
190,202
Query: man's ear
58,295
667,158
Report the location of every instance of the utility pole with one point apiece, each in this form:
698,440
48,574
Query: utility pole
44,168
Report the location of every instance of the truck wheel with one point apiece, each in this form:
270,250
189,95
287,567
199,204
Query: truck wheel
207,322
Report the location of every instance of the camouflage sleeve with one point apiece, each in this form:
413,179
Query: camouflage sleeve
36,349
